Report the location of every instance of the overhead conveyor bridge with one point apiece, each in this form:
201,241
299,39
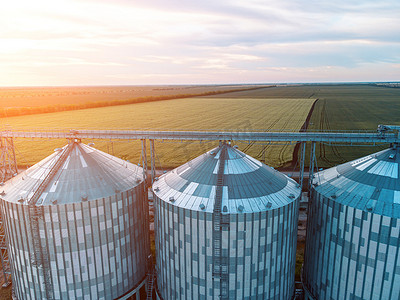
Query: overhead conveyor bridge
386,134
349,137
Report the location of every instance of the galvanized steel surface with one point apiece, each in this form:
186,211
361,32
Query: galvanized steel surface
249,185
86,174
258,239
96,249
95,237
323,136
370,183
353,230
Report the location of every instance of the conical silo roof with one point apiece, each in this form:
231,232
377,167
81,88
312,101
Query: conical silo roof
370,183
249,185
84,173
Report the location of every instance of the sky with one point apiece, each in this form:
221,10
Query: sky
137,42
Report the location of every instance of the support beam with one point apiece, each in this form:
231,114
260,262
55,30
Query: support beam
5,263
311,170
7,159
8,169
152,161
302,162
343,137
144,160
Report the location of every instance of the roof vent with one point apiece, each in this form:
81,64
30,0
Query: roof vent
370,205
21,200
84,198
225,209
138,180
392,156
202,206
236,146
54,201
333,196
212,153
240,208
291,196
172,199
156,178
269,204
1,183
157,189
2,193
164,172
91,144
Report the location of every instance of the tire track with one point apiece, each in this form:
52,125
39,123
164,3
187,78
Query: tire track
303,128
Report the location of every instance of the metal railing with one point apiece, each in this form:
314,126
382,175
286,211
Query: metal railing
349,137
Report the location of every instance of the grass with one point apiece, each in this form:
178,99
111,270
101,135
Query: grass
299,260
341,107
207,113
5,293
353,108
29,101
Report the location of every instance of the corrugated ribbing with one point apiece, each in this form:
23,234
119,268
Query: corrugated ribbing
350,253
96,249
261,248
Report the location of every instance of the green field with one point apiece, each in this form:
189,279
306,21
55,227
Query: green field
28,101
339,107
353,108
245,114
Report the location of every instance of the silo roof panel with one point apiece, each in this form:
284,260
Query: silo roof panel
86,174
245,179
374,177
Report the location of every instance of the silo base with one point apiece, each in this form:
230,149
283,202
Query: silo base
137,293
158,297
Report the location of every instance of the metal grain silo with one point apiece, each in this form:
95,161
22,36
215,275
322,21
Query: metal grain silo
352,245
226,228
77,227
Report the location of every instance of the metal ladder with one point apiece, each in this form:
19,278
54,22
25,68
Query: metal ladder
5,262
220,221
53,171
40,256
150,284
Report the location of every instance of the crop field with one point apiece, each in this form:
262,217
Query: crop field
44,96
209,113
353,108
341,107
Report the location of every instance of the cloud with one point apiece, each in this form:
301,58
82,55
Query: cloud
147,40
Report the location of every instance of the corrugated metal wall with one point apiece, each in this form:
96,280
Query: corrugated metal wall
97,249
350,253
261,248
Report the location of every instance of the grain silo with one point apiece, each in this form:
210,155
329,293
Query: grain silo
352,245
225,228
77,227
